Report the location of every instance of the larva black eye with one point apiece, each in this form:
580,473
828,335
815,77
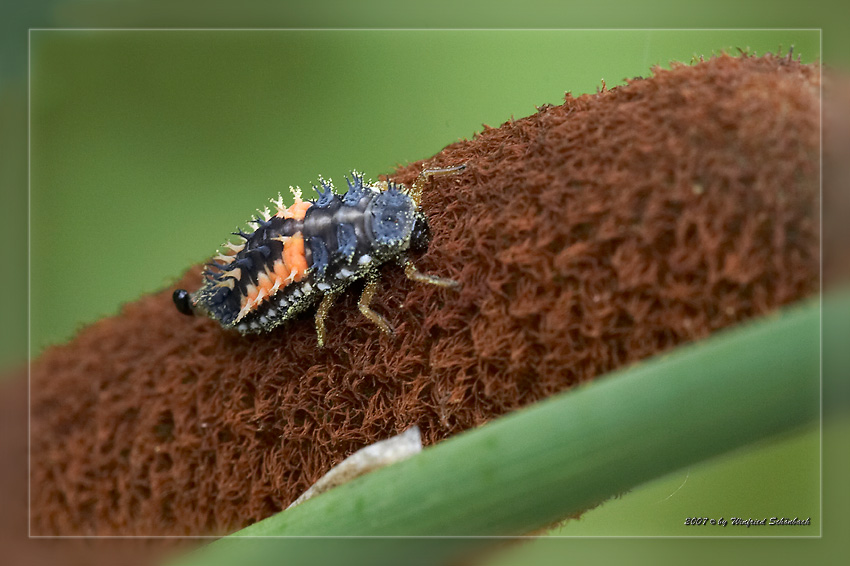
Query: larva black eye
183,301
420,236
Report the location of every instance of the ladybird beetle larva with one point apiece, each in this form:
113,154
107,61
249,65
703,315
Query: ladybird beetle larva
311,252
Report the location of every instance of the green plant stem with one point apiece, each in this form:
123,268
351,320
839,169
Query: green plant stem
538,465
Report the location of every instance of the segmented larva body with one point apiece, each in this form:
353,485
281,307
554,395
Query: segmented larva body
310,252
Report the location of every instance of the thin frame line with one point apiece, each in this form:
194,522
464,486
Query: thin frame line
213,537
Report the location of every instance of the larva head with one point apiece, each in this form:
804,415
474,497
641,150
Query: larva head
420,237
392,216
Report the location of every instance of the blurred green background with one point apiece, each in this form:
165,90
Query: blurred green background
149,147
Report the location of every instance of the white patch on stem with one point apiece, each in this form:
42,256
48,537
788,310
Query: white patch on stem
368,459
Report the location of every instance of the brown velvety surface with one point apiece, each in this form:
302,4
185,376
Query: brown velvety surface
17,549
586,237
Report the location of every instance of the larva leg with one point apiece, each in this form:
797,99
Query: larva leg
428,173
415,275
425,175
365,298
321,314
